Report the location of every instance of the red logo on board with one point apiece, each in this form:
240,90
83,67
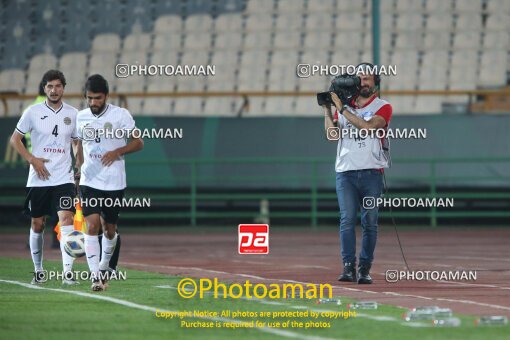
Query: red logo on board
253,239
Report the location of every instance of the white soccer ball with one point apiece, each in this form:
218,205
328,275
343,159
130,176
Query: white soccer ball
75,244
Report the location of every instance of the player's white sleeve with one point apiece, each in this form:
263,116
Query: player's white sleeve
77,130
25,122
127,122
74,134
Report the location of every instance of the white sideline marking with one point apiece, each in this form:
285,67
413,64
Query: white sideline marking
450,300
458,283
334,287
125,303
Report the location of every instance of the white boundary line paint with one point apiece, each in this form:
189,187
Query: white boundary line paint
455,283
283,333
334,287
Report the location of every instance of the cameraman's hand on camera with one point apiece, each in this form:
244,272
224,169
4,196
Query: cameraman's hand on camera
336,101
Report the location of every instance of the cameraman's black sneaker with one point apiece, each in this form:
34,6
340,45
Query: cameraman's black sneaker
364,273
349,274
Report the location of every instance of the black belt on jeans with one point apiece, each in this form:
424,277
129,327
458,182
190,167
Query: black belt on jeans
363,170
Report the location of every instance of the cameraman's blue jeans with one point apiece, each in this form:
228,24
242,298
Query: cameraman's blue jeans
352,188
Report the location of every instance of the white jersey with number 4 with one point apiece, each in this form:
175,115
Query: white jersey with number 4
51,132
93,173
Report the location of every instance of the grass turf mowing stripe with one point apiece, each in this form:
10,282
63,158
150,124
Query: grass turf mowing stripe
283,333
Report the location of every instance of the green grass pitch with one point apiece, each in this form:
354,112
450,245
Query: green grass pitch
57,314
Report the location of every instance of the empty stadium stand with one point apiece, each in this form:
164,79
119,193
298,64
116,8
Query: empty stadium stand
255,45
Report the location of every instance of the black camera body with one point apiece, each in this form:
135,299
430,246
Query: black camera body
345,86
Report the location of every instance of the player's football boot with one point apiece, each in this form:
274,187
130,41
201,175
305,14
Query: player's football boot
97,285
39,278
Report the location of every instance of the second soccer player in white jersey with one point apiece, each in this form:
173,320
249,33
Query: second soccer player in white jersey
103,173
50,185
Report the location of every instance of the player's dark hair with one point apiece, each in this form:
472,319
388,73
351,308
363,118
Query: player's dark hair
52,75
97,84
41,88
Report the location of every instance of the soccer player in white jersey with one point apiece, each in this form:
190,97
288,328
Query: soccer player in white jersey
103,173
50,185
359,170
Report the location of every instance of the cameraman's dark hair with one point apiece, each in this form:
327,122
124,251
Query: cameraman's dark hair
377,77
96,83
52,75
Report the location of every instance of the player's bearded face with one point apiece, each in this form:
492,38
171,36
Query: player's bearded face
54,91
96,102
367,86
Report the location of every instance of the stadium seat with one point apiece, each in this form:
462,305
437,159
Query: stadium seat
74,67
106,43
474,6
279,106
409,22
468,21
39,64
257,41
409,40
255,107
198,23
496,40
287,40
289,6
167,42
464,65
353,6
436,40
497,22
307,107
498,6
219,106
321,6
401,104
197,41
439,6
354,40
137,42
228,41
409,6
319,21
346,22
317,40
492,68
229,23
432,71
289,22
259,22
282,78
467,39
188,107
251,77
260,6
225,57
427,104
12,80
104,64
168,24
439,21
161,106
